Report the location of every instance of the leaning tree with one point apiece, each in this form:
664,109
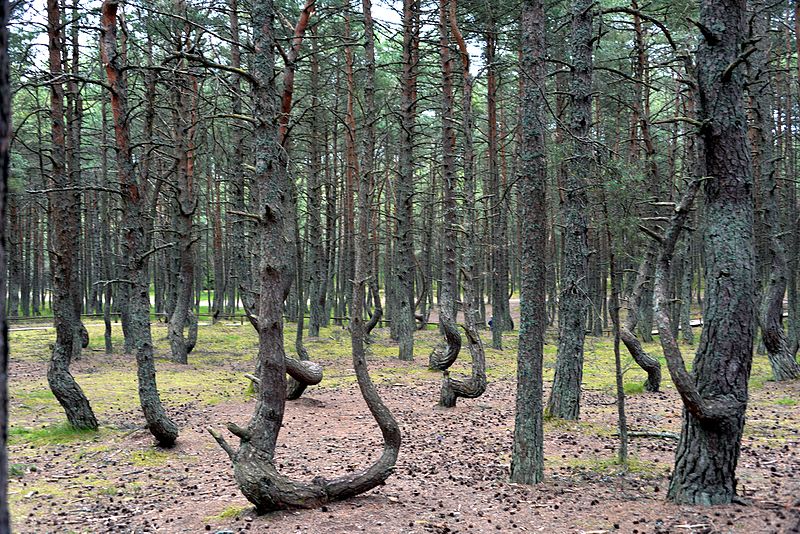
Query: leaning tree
253,462
137,198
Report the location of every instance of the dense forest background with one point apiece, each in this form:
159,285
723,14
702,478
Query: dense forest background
563,171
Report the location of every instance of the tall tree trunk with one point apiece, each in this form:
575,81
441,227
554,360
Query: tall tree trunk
403,316
565,396
715,394
241,274
317,260
5,140
65,246
501,317
771,257
527,458
185,96
135,197
368,167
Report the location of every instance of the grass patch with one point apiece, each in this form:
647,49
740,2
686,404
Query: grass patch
611,466
149,458
231,512
786,401
633,388
49,435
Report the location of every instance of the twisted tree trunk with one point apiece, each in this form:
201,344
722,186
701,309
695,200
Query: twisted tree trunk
771,255
441,358
253,462
475,385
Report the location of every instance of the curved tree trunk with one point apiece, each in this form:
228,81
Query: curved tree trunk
565,397
253,462
475,385
135,235
715,393
64,235
772,255
441,358
626,332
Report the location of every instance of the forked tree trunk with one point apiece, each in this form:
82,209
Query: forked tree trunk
441,358
527,458
253,462
715,394
185,118
135,196
565,397
65,227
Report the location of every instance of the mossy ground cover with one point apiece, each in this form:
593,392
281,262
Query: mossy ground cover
56,468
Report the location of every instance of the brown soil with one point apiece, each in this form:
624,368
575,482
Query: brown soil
452,475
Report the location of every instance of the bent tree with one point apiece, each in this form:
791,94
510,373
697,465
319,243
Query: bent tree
475,385
253,462
715,393
441,358
136,231
65,246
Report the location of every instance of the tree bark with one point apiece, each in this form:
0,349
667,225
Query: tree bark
136,235
474,386
715,394
403,313
527,457
65,246
185,205
5,140
441,358
564,402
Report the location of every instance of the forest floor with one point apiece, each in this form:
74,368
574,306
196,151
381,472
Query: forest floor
452,474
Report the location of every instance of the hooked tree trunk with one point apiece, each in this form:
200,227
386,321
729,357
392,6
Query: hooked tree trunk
441,358
253,462
475,385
